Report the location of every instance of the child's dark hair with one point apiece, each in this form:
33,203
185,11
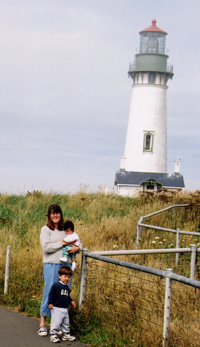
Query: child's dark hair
65,270
69,225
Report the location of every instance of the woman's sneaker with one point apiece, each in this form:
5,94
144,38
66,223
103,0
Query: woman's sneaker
54,339
68,337
42,331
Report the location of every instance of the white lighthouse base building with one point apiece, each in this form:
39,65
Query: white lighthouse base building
130,183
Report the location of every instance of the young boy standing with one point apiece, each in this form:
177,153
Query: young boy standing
58,301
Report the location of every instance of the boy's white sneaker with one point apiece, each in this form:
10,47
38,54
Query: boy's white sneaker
54,339
68,337
63,259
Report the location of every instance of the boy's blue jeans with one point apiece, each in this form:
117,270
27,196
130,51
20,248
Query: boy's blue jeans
50,274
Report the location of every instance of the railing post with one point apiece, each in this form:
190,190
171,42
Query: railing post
174,214
139,228
177,245
193,261
7,270
167,308
83,278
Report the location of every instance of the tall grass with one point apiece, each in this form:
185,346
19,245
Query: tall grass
103,222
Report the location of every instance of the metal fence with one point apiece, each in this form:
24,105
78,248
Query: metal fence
152,307
141,227
140,300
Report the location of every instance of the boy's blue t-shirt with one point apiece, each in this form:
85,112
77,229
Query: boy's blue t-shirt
59,295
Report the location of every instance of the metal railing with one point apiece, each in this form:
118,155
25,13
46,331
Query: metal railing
168,275
133,67
178,232
192,250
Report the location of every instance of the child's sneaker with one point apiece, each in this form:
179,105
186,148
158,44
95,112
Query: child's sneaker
73,266
68,337
42,331
54,339
63,259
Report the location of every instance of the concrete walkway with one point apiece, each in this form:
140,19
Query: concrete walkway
17,330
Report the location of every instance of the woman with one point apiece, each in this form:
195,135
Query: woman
52,241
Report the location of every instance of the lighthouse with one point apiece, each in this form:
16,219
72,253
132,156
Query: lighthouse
144,164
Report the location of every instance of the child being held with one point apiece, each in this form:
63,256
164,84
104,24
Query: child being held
71,238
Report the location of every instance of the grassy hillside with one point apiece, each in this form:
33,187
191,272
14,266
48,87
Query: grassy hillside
102,222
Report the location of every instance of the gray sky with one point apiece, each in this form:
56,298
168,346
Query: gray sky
65,91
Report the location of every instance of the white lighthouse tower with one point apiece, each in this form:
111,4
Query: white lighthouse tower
144,164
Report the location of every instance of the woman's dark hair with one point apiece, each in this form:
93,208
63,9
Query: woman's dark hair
55,209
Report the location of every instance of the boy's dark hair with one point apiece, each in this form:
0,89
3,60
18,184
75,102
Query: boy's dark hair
65,270
69,225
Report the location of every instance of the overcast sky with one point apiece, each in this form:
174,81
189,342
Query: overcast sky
65,92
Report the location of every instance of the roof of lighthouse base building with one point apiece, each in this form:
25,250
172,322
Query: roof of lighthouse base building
165,180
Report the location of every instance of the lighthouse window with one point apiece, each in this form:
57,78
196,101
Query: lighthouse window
148,142
150,187
152,44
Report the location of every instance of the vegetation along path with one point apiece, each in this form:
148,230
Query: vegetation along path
17,330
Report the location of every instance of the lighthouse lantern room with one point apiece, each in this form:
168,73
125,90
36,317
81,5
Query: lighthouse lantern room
144,164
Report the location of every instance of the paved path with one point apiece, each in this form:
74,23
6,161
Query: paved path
17,330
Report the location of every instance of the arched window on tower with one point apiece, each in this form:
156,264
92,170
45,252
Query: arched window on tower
148,141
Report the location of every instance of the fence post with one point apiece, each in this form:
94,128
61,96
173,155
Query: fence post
193,261
83,278
7,270
167,308
177,245
174,214
139,228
